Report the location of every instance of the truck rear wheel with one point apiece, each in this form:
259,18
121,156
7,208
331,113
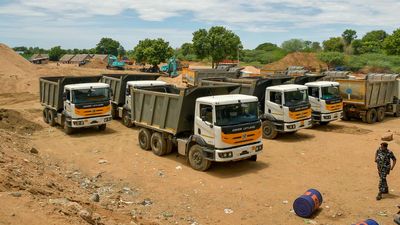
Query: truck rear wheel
144,139
345,117
381,114
269,130
126,120
51,117
102,127
371,116
197,160
158,144
45,115
67,129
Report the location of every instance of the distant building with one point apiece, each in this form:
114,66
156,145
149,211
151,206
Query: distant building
80,59
66,58
39,58
101,57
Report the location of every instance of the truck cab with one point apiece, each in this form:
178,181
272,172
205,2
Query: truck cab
86,105
287,109
326,102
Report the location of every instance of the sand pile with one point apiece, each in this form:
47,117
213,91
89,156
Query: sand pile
308,60
175,80
95,64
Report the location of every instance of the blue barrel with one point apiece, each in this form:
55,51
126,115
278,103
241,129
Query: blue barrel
367,222
305,205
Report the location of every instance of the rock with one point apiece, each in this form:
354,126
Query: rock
59,201
16,194
95,197
34,151
161,173
228,211
167,214
103,161
382,213
178,167
388,136
25,160
86,215
285,202
146,202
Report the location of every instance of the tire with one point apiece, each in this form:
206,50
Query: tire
371,116
113,112
269,130
381,114
45,115
345,117
144,139
67,129
170,146
51,117
158,144
126,120
197,160
102,127
397,113
253,158
323,123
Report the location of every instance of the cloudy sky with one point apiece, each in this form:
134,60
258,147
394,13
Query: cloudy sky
81,23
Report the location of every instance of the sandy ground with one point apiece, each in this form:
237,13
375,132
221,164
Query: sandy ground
336,159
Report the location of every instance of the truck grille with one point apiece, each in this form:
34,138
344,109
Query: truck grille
93,111
300,115
334,107
242,137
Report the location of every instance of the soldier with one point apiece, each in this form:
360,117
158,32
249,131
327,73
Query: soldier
382,158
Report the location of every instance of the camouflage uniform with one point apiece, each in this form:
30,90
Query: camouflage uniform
382,160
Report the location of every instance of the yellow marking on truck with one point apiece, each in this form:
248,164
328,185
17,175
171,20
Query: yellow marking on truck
334,107
93,111
300,115
242,137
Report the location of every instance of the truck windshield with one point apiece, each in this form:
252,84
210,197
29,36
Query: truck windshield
331,92
236,113
293,98
90,95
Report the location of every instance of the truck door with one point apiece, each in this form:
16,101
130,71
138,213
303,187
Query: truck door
314,98
204,123
273,105
67,101
128,97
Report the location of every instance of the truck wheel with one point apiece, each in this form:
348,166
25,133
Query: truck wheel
197,160
102,127
113,113
269,130
323,123
67,129
345,117
144,139
126,120
381,114
158,144
170,146
51,118
397,113
371,116
45,115
253,158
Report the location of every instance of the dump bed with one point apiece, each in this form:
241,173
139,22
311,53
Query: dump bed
192,77
373,91
51,89
305,79
169,112
118,82
255,86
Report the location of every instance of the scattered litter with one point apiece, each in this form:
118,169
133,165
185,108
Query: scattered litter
146,202
103,161
167,214
285,202
178,167
228,211
310,222
382,213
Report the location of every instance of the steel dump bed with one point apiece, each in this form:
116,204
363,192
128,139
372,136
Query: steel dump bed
170,112
192,77
374,90
51,89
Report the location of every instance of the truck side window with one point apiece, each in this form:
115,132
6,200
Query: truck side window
68,94
128,90
206,112
276,97
314,92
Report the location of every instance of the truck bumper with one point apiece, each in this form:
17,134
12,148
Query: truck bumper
290,127
326,117
237,153
89,122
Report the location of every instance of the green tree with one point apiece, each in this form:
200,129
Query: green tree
356,46
333,59
293,45
218,43
152,51
187,49
348,36
316,46
375,35
392,43
107,46
121,51
333,44
56,53
267,47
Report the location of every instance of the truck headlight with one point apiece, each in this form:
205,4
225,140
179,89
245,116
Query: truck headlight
107,119
259,148
290,126
327,117
225,154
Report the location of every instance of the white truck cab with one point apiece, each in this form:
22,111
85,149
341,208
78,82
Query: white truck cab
326,102
287,109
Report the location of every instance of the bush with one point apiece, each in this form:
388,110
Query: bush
333,59
378,61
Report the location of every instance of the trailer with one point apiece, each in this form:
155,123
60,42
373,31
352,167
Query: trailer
204,123
118,84
75,102
370,98
192,77
283,107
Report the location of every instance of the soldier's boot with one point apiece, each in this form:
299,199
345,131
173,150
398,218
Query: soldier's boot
379,196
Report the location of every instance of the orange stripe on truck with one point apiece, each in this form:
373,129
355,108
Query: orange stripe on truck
300,115
335,107
93,111
242,137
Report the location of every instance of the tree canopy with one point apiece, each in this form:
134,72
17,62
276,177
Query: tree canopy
152,51
294,45
333,44
56,53
392,43
348,36
107,46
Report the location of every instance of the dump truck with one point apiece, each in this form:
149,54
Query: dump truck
284,108
326,102
118,84
204,123
192,77
370,98
75,102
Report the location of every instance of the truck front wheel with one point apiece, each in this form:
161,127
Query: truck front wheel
45,115
158,144
51,117
67,129
126,120
197,160
371,116
381,114
144,139
269,130
102,127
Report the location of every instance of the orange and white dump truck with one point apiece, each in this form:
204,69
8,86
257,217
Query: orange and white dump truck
75,102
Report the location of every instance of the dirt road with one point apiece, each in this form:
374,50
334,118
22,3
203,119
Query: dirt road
337,159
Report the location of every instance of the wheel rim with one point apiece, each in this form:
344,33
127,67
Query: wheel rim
156,145
197,157
267,130
126,121
142,140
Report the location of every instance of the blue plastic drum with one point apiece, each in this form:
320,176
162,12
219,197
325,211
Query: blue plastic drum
305,205
367,222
